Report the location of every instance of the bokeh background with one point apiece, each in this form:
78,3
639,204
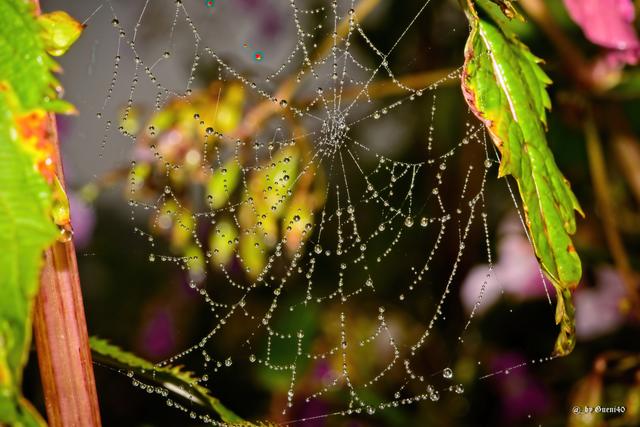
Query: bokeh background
148,308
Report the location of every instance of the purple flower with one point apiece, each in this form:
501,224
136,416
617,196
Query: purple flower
608,23
158,338
270,23
521,394
83,220
312,412
322,371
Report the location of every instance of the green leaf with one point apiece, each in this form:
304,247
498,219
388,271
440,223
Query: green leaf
506,89
26,229
24,62
173,378
506,6
27,90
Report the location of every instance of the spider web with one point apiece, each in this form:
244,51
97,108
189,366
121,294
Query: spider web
330,223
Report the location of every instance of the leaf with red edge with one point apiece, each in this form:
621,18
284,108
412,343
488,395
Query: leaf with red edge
505,88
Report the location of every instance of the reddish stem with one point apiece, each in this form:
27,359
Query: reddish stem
62,343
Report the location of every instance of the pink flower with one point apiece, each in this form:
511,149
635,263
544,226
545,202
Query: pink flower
608,23
598,308
515,273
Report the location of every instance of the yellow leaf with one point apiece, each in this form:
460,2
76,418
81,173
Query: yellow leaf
59,31
222,241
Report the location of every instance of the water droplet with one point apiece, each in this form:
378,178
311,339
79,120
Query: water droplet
66,234
447,373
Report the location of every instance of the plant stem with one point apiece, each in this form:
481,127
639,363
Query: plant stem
601,191
627,150
422,80
62,343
